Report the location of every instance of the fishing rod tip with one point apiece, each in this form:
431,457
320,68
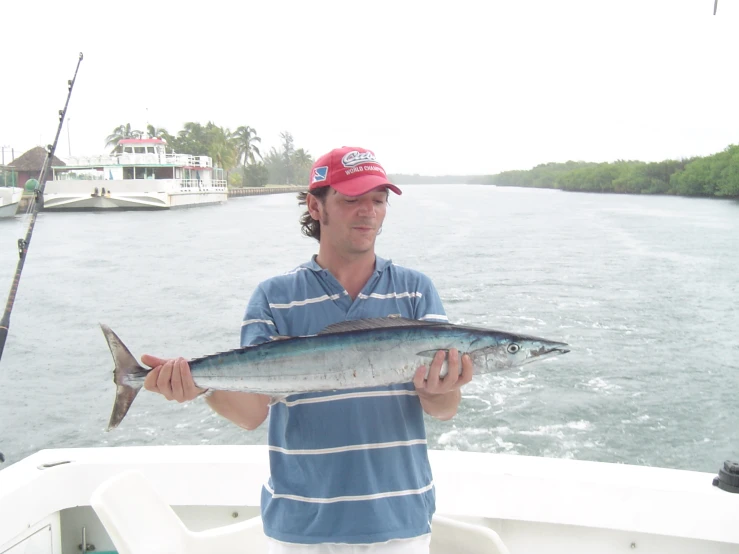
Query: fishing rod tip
81,55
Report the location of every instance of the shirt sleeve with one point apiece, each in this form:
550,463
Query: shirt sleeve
429,306
258,325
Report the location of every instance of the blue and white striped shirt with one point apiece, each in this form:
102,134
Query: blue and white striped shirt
348,466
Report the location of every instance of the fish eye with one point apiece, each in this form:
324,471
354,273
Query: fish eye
513,348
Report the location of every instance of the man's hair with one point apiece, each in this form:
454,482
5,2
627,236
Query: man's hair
309,226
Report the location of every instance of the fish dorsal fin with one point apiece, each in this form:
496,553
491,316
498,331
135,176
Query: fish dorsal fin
377,323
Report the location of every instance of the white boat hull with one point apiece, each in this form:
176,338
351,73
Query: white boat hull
10,198
128,195
535,504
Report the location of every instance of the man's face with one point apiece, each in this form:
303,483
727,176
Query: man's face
350,224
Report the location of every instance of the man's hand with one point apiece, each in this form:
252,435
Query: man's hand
173,380
452,381
170,378
440,396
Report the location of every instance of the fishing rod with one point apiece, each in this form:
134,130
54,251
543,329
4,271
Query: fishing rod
37,204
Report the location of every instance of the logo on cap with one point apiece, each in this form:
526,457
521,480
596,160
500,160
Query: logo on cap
355,158
319,174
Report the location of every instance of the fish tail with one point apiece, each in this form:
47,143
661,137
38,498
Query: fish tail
125,365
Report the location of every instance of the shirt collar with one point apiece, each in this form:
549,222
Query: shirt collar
380,264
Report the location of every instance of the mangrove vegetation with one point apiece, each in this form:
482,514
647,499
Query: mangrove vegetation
710,176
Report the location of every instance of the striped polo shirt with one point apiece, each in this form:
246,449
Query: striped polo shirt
346,466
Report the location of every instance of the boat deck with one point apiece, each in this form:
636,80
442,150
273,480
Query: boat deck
534,504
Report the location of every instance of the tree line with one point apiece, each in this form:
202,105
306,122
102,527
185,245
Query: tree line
237,152
710,176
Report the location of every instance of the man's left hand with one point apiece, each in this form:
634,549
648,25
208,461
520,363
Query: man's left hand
452,381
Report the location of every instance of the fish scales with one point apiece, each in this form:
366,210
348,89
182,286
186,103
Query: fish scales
313,363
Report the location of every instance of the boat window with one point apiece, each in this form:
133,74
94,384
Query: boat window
162,172
128,149
150,149
140,172
139,149
128,173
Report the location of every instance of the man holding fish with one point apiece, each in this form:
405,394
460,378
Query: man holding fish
348,467
364,350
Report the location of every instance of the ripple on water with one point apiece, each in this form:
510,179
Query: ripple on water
648,302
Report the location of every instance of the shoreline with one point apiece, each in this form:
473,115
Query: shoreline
237,192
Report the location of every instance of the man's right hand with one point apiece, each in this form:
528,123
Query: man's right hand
171,378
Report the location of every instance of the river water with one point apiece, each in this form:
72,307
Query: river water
643,288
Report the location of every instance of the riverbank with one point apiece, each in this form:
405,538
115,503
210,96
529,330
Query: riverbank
257,191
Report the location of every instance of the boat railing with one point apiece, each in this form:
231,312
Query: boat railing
200,183
183,160
91,160
192,161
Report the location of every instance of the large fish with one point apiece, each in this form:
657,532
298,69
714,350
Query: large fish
351,354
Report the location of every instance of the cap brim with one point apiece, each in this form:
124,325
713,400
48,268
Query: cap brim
363,184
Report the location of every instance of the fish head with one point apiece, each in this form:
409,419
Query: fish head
515,351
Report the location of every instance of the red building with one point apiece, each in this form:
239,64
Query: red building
30,164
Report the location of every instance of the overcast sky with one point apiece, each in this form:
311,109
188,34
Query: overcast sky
432,87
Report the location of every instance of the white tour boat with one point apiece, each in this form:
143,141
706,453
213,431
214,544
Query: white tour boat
139,174
205,499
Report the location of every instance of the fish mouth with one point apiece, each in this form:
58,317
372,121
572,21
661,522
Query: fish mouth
548,352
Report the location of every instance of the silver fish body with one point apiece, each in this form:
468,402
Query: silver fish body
347,355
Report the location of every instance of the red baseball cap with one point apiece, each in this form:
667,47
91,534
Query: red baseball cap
350,170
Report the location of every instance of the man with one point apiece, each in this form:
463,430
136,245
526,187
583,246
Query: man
349,469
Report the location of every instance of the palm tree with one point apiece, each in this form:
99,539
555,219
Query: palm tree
288,149
275,164
161,133
302,162
244,139
121,132
192,139
302,158
221,146
157,132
